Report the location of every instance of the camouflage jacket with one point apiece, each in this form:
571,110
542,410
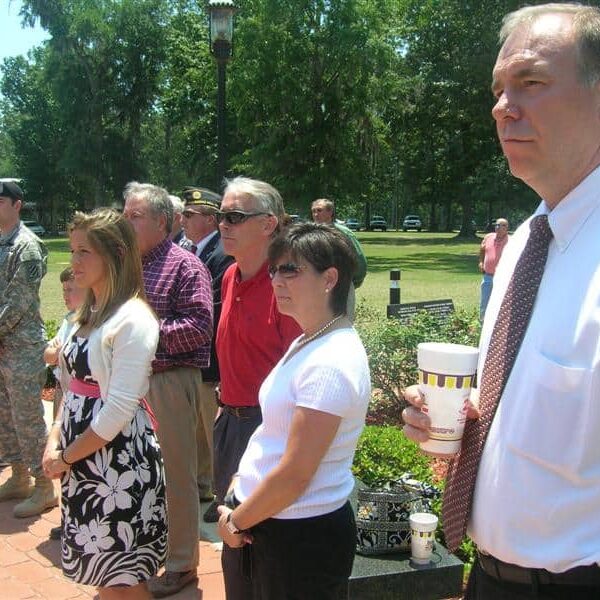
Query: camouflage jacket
23,264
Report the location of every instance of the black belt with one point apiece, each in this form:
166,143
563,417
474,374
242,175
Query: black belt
588,575
242,412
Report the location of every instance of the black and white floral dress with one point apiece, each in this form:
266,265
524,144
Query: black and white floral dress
113,501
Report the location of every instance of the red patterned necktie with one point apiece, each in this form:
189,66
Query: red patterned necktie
508,333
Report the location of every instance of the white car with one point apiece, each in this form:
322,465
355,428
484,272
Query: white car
35,227
412,222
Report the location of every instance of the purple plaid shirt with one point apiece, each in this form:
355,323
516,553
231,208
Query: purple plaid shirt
178,288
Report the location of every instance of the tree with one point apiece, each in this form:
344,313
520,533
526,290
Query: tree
30,121
302,84
103,66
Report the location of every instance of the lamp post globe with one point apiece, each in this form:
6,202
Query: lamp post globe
221,46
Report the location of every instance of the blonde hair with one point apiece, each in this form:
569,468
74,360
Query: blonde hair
112,236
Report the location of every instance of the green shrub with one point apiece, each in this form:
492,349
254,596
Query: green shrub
51,330
385,453
52,326
392,350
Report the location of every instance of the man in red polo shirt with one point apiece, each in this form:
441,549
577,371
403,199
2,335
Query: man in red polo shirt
251,337
490,252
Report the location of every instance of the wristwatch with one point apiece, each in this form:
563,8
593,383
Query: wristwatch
231,526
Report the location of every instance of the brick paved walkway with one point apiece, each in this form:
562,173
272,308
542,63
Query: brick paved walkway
30,562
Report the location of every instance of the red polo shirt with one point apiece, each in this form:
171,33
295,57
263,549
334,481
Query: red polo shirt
493,251
251,337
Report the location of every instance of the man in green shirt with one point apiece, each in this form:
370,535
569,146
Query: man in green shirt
323,211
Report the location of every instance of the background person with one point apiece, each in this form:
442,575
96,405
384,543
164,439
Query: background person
204,240
294,479
490,252
177,234
178,288
113,496
73,297
323,211
251,338
530,498
22,370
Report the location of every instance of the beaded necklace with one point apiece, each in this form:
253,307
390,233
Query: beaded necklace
316,334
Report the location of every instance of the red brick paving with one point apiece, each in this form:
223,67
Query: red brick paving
30,561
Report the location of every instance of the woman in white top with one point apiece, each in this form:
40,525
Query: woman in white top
292,520
103,444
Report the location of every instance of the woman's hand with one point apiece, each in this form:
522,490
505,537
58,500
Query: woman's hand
233,540
53,464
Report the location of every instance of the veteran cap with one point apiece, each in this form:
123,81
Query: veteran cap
9,189
195,196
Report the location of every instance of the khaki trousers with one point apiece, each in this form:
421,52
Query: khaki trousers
173,396
207,410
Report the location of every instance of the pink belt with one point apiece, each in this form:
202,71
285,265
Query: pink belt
92,390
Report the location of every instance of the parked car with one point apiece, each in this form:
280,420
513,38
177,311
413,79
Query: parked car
412,222
377,222
35,227
353,224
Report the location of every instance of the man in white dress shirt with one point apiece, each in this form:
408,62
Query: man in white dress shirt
535,515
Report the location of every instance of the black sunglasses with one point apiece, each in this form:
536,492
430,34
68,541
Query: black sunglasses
287,270
235,217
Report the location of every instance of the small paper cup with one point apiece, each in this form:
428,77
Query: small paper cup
422,537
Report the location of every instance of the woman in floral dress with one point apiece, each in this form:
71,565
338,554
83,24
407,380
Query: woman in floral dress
103,445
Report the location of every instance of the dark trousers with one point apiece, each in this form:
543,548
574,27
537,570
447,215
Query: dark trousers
299,559
230,438
482,586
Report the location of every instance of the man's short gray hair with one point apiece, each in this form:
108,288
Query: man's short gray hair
586,26
178,205
157,198
267,198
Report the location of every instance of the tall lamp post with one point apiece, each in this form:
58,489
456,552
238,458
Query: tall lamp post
221,46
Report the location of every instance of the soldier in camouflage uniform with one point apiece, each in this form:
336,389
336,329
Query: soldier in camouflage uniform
22,372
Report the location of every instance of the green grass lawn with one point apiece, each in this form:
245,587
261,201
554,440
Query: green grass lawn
434,266
59,257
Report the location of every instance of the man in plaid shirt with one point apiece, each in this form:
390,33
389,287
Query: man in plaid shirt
178,287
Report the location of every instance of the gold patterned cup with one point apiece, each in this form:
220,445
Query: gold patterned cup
446,376
422,537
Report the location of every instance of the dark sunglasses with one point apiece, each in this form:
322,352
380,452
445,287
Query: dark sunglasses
287,270
235,217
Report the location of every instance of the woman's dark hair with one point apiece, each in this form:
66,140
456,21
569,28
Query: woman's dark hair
322,246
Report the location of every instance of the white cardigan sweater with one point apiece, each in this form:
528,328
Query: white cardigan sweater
120,355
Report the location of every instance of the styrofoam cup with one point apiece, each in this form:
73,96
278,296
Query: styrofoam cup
422,536
446,376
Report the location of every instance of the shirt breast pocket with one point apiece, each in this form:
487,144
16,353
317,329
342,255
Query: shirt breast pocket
551,428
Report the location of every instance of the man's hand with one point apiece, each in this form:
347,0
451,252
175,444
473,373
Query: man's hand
417,423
